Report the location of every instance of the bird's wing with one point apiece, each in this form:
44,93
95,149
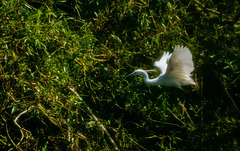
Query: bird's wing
163,62
180,61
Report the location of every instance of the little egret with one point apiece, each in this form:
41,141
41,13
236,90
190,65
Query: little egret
176,69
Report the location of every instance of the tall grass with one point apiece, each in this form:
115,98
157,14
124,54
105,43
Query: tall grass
63,67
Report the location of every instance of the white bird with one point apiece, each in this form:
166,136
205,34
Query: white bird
176,69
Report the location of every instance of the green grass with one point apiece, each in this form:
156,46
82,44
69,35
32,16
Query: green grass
63,66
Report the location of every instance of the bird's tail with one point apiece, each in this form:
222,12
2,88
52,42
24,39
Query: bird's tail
183,79
187,80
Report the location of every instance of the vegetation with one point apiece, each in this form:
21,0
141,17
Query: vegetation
63,65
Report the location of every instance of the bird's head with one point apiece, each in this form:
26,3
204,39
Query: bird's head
139,72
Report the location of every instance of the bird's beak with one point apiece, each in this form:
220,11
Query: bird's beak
151,70
130,74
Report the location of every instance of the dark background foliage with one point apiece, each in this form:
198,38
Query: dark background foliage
46,47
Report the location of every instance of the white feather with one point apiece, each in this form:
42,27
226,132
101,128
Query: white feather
176,69
162,63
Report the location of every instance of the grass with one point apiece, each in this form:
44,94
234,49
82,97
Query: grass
63,66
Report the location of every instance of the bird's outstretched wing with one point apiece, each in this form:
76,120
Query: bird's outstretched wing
163,62
180,61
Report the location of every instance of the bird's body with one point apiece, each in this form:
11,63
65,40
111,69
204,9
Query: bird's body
176,69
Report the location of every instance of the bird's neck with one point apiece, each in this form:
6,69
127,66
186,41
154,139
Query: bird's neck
147,80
